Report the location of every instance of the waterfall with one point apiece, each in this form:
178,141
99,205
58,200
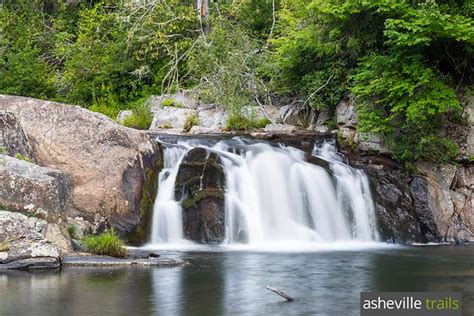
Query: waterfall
273,195
167,217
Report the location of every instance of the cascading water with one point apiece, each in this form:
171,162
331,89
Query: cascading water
167,218
274,196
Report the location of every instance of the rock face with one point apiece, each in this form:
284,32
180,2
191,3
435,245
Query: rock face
470,137
280,128
171,111
297,116
434,205
29,242
451,199
112,169
346,120
12,138
35,190
200,187
400,204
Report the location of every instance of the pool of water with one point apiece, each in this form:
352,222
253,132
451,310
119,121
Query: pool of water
233,283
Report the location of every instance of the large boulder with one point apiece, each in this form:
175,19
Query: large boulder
200,186
13,141
113,169
34,190
30,242
170,119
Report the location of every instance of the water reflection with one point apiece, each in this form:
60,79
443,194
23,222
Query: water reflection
233,283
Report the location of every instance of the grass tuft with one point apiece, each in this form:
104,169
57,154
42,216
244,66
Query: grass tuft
108,243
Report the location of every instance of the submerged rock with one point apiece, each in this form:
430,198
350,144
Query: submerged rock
200,186
104,261
113,169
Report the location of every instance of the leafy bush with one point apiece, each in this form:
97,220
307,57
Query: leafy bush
431,147
141,118
404,99
240,122
190,121
107,243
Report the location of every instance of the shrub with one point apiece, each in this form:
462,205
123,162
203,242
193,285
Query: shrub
172,102
141,118
331,124
107,243
3,150
240,122
431,147
72,231
237,122
190,121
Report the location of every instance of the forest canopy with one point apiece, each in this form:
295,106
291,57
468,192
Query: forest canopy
406,63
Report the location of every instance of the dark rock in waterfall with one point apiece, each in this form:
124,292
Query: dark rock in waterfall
200,187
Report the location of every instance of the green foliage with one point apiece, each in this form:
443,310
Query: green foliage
141,117
21,157
3,150
224,66
241,122
430,147
23,69
331,124
401,59
172,102
107,243
405,61
190,121
72,231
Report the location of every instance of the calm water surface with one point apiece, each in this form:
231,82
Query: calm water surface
233,283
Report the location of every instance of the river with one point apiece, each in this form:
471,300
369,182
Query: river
233,283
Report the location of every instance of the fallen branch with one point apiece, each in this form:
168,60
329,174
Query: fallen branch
281,293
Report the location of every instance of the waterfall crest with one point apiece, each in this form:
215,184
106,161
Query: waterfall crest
273,195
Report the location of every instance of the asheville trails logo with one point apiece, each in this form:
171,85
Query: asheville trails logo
411,303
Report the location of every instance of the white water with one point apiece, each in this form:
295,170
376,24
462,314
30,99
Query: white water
167,220
274,198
